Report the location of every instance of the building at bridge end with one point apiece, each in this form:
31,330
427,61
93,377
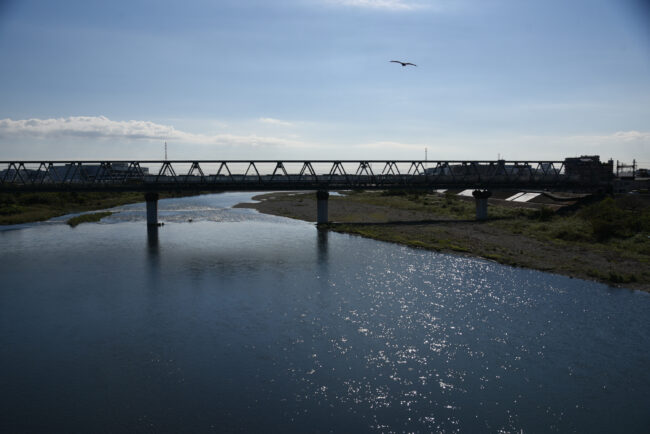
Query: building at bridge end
589,169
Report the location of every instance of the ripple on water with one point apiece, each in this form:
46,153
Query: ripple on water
261,315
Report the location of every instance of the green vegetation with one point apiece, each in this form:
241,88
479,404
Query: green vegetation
620,218
613,276
30,207
619,225
607,239
88,218
447,205
430,241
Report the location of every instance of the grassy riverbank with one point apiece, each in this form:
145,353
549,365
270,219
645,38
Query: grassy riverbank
88,218
31,207
606,240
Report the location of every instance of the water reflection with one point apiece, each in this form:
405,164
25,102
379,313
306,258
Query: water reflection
153,256
323,237
152,239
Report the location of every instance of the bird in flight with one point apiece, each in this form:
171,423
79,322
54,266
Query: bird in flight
403,63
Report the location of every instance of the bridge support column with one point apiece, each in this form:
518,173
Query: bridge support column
152,208
481,198
321,199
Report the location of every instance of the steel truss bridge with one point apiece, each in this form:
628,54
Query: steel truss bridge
267,175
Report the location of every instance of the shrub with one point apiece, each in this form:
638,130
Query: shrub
36,199
543,214
450,197
10,209
621,219
7,199
571,234
395,193
621,278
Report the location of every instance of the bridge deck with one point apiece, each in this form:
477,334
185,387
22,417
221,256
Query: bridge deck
235,175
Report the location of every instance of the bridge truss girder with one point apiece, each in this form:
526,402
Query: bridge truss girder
287,175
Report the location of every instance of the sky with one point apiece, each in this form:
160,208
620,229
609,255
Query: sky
312,79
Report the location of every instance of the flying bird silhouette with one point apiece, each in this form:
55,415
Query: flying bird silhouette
403,63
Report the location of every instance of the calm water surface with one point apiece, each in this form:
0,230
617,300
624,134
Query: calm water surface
238,321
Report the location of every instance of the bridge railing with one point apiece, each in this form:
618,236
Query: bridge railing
232,174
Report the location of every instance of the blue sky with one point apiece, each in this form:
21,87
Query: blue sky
311,79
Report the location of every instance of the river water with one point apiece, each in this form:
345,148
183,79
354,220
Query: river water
238,321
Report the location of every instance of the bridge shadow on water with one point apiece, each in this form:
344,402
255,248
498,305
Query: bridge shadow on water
323,239
152,240
153,252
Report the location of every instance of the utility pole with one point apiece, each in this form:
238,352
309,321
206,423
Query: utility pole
426,158
165,150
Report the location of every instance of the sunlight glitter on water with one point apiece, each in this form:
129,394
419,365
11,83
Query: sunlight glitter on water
305,329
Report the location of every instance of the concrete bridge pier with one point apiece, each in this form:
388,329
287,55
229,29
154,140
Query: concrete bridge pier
481,198
321,200
152,208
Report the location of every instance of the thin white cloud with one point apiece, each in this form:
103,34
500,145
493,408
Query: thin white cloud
101,127
554,106
392,145
85,126
91,136
404,5
632,136
273,121
595,141
623,145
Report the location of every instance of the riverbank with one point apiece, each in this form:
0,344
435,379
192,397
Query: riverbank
87,218
606,240
33,207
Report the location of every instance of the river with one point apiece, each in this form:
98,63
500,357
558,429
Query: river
238,321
